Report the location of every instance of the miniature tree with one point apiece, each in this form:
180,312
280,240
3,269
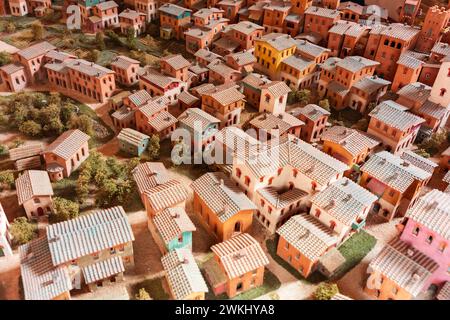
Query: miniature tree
131,38
143,295
433,143
30,128
64,209
22,230
93,55
5,58
37,29
303,96
362,124
10,27
325,291
83,123
422,153
325,104
100,39
154,147
6,179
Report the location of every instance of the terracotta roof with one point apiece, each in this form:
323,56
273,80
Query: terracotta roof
207,55
40,278
416,91
441,48
409,61
419,161
351,6
158,79
308,235
255,80
88,234
201,89
278,41
277,88
243,58
36,50
370,84
86,67
162,121
395,115
68,143
444,292
280,200
407,267
103,269
59,55
297,62
166,195
173,9
432,210
356,63
221,195
130,14
193,115
351,140
207,12
33,183
323,12
154,106
148,175
344,200
187,98
240,254
124,113
282,122
11,68
225,95
432,109
393,171
123,62
221,68
106,5
183,275
236,141
400,31
132,136
246,27
25,151
172,222
312,112
176,61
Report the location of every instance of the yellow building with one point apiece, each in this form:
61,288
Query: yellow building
270,50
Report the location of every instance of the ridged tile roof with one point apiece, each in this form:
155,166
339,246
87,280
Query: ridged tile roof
33,183
67,144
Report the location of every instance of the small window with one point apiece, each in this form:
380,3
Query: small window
416,231
429,239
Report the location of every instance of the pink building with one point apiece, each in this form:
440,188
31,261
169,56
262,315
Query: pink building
12,77
126,70
427,228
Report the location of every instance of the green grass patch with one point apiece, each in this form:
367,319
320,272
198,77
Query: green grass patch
355,249
154,287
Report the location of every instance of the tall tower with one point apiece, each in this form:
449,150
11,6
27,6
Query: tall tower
299,6
435,22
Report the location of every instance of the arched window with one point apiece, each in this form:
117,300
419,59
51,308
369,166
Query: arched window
247,181
238,172
443,91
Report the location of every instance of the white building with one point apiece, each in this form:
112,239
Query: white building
274,97
5,236
440,92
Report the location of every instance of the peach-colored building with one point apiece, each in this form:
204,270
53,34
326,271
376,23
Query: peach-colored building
153,118
148,7
5,235
175,66
436,20
158,84
130,19
12,78
320,20
348,38
34,193
440,91
126,70
315,119
408,71
394,126
32,58
220,73
18,8
244,33
174,21
231,8
82,79
107,12
65,155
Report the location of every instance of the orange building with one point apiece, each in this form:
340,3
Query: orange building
347,39
130,19
348,145
153,118
394,126
230,8
12,77
303,240
126,70
387,43
436,21
275,14
399,272
408,71
238,265
315,119
176,66
244,33
396,182
320,20
223,208
174,21
32,58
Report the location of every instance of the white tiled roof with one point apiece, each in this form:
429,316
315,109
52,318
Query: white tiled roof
225,95
416,91
173,9
277,88
432,109
240,254
246,27
344,200
176,61
187,98
444,292
140,97
400,31
404,265
393,171
172,222
313,111
278,41
308,235
433,211
192,115
419,161
281,200
298,63
283,122
68,143
158,79
356,63
243,58
409,61
11,68
88,234
36,50
353,141
221,195
123,62
323,12
183,275
132,136
306,48
103,269
162,121
150,174
395,115
207,55
166,195
40,278
221,68
441,48
370,84
153,106
33,183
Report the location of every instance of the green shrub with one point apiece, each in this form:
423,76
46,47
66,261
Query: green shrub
64,209
22,230
325,291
